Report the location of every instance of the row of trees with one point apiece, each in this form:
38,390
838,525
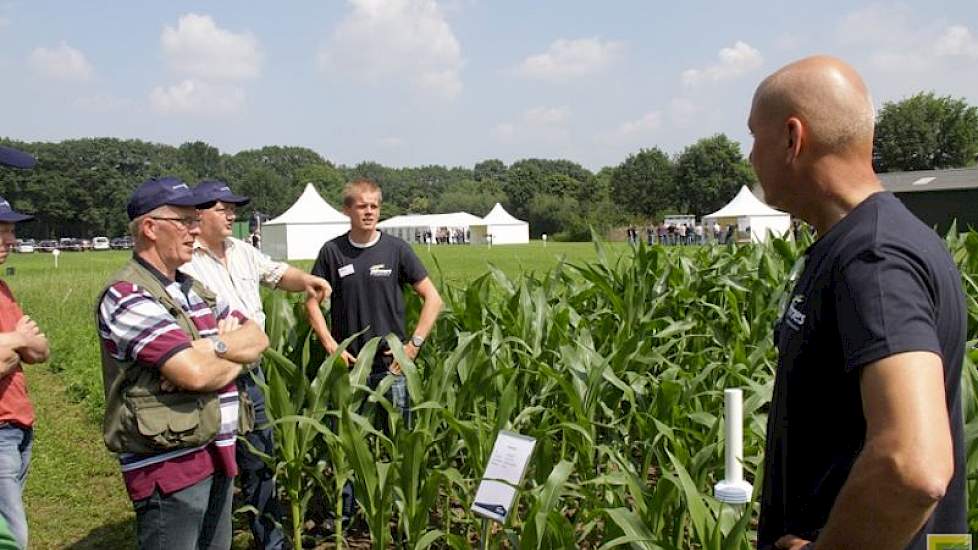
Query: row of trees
80,187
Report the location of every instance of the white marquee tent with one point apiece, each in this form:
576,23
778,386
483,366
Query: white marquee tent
410,226
504,228
300,231
748,212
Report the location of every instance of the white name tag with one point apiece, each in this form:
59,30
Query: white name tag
346,270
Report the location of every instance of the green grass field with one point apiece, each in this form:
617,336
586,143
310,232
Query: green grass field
75,495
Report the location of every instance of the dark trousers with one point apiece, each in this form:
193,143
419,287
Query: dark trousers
257,479
398,396
198,517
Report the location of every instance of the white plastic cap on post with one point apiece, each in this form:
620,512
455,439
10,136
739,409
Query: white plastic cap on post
733,489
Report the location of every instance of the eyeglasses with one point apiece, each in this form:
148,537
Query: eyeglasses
226,212
187,223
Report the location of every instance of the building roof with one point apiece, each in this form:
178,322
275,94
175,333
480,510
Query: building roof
930,180
310,208
454,219
745,204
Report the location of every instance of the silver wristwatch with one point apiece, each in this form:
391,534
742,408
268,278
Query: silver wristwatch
220,346
417,341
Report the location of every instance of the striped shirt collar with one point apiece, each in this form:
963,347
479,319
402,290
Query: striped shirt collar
184,281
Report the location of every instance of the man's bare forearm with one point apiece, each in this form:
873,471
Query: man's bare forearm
318,323
246,344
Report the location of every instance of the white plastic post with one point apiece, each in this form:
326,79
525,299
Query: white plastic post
733,489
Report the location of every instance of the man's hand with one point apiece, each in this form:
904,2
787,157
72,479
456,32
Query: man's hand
316,287
791,542
347,358
228,324
33,337
409,350
8,360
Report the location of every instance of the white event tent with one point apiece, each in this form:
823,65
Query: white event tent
301,231
411,226
504,228
748,212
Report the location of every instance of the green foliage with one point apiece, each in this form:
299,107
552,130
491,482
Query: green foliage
708,174
925,132
642,183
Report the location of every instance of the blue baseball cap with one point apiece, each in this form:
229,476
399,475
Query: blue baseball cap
8,215
154,193
210,191
16,159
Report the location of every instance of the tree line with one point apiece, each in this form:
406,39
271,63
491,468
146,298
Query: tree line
80,187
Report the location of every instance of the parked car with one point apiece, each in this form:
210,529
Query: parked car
47,246
121,243
69,244
85,244
25,246
100,243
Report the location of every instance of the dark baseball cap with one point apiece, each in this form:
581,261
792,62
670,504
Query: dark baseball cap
8,215
16,159
154,193
210,191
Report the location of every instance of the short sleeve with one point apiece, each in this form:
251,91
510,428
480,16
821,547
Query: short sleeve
270,272
138,328
884,307
321,267
412,271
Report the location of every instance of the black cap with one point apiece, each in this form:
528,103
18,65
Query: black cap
8,215
156,192
16,159
211,191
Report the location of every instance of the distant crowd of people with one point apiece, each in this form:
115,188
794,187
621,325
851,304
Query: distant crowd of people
670,234
443,235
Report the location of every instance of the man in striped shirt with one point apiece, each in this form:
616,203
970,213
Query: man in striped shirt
233,269
181,495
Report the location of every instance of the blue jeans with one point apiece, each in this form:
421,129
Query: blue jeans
15,459
198,517
257,479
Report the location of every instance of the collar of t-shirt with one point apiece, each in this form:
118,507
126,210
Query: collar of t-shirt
372,242
184,281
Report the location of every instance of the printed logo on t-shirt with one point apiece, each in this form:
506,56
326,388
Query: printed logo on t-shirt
948,542
794,316
379,270
346,270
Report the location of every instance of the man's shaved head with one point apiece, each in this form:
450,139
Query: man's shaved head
828,96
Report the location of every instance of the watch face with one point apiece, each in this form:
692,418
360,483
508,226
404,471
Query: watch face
220,347
417,341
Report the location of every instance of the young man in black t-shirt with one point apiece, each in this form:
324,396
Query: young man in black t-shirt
368,271
865,444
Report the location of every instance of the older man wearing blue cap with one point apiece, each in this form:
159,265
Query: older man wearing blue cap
21,341
171,352
233,270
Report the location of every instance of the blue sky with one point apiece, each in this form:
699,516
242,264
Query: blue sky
414,82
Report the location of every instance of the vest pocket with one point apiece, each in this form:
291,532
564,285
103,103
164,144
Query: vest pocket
176,420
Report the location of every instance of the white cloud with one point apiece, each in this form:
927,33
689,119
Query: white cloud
732,62
388,40
649,122
536,125
197,98
62,62
957,40
198,48
571,59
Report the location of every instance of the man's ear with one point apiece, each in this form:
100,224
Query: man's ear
795,131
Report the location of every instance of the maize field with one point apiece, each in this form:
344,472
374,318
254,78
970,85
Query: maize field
617,367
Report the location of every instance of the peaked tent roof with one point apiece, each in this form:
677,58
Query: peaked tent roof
310,208
499,216
745,204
